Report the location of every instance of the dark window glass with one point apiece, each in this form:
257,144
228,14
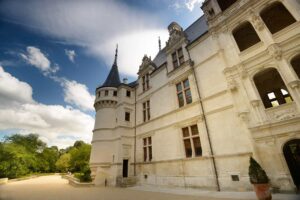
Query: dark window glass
145,154
188,96
150,153
180,99
197,146
115,93
106,92
185,132
188,148
194,130
224,4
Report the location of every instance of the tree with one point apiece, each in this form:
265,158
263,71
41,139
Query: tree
31,142
63,163
80,155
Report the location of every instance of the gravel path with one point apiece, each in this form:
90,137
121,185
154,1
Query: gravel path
55,188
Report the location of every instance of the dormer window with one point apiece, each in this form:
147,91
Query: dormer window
177,58
145,82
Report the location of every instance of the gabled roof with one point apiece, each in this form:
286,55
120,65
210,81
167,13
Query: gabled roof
113,78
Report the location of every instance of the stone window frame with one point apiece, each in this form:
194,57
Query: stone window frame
177,58
145,82
146,110
191,138
106,92
147,149
183,92
115,93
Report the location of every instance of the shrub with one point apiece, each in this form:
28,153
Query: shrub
84,175
256,173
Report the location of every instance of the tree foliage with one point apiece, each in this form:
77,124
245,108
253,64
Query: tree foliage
25,154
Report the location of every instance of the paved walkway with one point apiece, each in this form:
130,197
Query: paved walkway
55,188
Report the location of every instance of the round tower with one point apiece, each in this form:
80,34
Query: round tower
104,147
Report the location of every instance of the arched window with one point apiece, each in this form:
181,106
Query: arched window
245,36
276,17
296,65
271,88
224,4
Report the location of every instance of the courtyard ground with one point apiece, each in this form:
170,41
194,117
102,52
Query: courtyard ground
55,188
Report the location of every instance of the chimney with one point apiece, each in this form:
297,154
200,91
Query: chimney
125,80
159,44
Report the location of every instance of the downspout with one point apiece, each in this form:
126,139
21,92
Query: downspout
134,155
205,122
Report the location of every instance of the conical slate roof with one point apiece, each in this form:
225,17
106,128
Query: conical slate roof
113,78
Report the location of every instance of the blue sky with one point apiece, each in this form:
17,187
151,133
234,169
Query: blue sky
53,54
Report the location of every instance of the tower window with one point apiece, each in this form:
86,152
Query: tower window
245,36
128,93
277,17
271,88
106,92
191,141
115,93
127,116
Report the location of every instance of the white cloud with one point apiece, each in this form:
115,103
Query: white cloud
36,58
78,94
56,124
190,4
13,91
94,24
71,54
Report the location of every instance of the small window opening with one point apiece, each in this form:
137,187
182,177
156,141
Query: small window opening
115,93
127,116
235,178
106,92
128,93
277,17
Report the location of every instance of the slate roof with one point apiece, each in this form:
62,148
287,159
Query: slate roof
113,78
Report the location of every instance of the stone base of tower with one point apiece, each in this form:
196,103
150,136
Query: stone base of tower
104,175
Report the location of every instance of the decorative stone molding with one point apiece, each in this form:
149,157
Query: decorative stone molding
244,115
294,84
255,103
242,71
232,85
275,51
105,104
176,34
256,20
282,112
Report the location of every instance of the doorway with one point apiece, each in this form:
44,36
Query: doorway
125,168
291,151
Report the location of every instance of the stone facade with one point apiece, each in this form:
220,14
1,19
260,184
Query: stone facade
224,98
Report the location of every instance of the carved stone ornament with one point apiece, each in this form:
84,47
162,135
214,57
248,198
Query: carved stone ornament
232,85
244,115
256,21
176,34
242,71
275,51
145,62
294,84
255,103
